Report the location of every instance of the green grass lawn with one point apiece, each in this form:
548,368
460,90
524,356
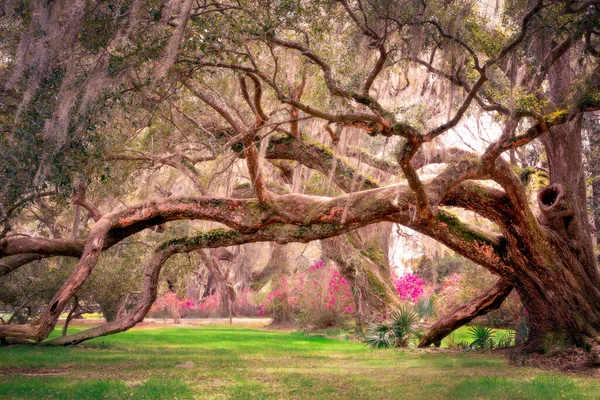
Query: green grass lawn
241,363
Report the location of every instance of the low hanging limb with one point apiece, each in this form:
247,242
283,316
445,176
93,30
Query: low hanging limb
151,275
488,301
213,239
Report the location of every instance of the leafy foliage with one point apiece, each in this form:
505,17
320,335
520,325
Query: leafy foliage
481,337
403,324
401,328
380,336
507,340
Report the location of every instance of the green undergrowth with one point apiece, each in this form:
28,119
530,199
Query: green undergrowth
242,363
462,335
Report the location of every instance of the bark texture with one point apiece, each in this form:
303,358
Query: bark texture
488,301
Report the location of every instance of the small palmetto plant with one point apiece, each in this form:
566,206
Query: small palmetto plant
482,337
397,332
380,336
425,308
403,324
463,345
507,340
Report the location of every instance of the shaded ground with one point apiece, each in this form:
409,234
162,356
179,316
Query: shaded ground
233,362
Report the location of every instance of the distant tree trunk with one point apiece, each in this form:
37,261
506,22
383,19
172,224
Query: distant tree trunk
372,288
173,309
277,265
223,285
70,315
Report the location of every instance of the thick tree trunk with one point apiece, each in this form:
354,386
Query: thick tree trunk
372,288
220,274
562,295
561,300
276,266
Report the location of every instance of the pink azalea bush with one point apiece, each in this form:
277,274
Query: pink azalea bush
451,293
410,287
169,305
319,297
277,303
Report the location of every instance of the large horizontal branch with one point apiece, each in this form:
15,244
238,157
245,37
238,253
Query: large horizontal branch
16,245
10,264
320,158
280,233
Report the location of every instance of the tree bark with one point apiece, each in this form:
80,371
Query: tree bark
490,300
372,288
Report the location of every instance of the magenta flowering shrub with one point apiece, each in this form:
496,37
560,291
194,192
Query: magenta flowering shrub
277,304
410,287
207,307
319,297
169,305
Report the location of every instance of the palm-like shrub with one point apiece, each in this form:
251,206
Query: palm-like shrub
506,341
482,337
401,328
380,336
425,308
403,325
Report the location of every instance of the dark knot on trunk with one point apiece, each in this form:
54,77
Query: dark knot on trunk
554,206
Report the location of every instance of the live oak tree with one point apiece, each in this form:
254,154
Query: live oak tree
356,95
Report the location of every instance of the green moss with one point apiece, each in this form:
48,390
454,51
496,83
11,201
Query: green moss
280,138
203,239
557,117
554,343
375,254
533,178
588,99
244,185
375,285
237,147
458,227
323,150
525,174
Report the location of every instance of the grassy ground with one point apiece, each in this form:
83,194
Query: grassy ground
242,363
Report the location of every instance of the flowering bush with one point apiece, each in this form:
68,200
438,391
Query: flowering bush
450,294
169,305
319,297
410,287
277,304
208,307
